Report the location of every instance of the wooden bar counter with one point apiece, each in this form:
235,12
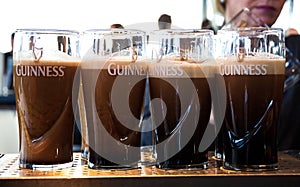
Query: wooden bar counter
80,175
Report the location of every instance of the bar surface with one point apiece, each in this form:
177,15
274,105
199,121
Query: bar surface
80,175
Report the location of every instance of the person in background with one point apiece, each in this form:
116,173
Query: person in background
62,43
268,11
164,21
292,41
207,24
291,32
8,57
289,122
116,26
119,44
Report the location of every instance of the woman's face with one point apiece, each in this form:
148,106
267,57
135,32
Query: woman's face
267,10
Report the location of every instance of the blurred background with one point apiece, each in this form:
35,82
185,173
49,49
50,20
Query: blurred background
88,14
91,14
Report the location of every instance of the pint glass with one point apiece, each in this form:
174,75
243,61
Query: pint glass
45,62
113,80
252,63
179,77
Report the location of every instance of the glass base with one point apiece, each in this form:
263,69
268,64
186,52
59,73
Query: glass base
45,167
109,167
84,153
261,167
148,156
203,165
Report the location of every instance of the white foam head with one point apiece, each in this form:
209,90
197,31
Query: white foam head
45,57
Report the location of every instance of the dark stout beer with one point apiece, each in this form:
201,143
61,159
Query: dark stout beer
254,94
165,82
44,105
104,125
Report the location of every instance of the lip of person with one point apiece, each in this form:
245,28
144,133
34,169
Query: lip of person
264,8
265,12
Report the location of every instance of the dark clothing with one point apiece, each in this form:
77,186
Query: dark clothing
293,44
289,122
8,70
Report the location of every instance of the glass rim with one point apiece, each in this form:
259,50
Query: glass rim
249,30
114,32
167,32
37,31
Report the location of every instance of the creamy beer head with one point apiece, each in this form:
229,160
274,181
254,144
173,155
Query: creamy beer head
258,65
115,65
50,65
182,69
